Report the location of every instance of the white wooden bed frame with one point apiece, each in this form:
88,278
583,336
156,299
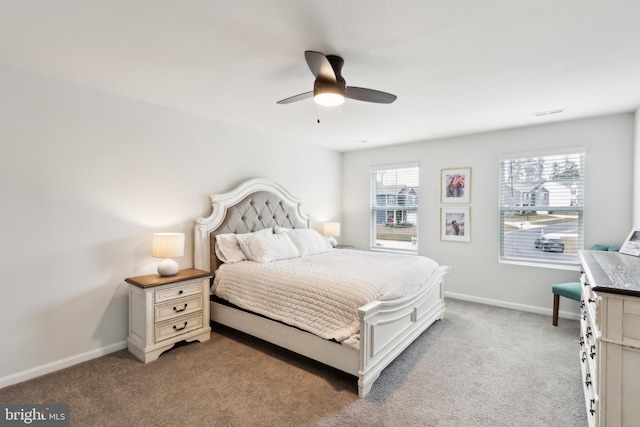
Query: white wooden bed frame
386,327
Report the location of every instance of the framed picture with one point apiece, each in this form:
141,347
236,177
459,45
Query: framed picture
456,185
455,224
631,246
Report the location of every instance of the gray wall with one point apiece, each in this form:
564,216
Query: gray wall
636,172
477,275
86,178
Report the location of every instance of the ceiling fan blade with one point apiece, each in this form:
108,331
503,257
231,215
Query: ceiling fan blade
320,66
295,98
370,95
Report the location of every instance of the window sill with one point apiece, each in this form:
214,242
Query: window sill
556,266
394,250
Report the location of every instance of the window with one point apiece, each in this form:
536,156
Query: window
541,208
394,208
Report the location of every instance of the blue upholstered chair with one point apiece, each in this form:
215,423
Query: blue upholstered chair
572,290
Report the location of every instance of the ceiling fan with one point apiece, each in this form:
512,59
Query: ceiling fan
330,89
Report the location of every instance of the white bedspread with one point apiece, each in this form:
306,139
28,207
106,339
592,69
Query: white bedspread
321,293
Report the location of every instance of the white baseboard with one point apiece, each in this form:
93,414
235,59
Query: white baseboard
513,306
60,364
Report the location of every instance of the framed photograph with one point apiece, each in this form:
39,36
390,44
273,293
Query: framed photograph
631,246
455,224
456,185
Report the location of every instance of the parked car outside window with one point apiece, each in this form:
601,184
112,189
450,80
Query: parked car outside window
550,243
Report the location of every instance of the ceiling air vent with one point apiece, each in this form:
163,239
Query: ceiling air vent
549,112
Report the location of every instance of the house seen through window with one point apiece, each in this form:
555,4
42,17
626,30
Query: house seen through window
394,208
541,208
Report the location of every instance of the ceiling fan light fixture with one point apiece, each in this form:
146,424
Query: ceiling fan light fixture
328,94
328,97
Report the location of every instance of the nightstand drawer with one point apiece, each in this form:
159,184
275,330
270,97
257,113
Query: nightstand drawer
175,308
178,326
193,287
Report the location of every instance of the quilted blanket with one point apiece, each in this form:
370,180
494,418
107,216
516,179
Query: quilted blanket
321,293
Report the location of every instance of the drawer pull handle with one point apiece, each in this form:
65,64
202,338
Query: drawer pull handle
588,380
180,292
179,310
593,351
591,300
584,356
588,334
593,411
581,341
175,328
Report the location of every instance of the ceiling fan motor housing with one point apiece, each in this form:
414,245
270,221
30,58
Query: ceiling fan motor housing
339,87
323,86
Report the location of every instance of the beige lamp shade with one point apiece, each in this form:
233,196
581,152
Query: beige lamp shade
167,246
331,230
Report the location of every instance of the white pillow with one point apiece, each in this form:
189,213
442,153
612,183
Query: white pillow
307,241
228,248
267,248
277,229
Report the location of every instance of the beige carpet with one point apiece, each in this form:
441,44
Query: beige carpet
480,366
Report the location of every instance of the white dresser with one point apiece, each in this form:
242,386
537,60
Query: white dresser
610,338
166,310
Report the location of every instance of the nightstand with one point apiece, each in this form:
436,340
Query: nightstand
166,310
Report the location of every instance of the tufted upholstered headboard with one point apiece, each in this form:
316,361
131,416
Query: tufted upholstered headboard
253,205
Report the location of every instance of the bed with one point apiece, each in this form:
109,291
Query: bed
384,326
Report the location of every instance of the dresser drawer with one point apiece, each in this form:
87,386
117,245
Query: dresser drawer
178,307
184,289
589,386
178,326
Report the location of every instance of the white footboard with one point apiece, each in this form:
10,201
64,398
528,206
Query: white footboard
388,327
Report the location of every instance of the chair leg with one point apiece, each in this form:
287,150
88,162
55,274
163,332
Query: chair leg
556,307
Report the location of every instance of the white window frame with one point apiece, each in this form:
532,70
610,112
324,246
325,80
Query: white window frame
519,253
410,247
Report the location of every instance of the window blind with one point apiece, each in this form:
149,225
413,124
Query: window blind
394,207
541,208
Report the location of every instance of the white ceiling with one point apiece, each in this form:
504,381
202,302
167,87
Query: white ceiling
457,67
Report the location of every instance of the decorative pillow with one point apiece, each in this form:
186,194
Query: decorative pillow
307,241
267,248
228,248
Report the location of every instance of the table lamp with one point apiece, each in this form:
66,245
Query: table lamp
331,230
167,246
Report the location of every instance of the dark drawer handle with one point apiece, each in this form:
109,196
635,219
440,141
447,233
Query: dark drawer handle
581,341
584,356
588,380
593,351
180,292
175,328
593,402
180,309
589,333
